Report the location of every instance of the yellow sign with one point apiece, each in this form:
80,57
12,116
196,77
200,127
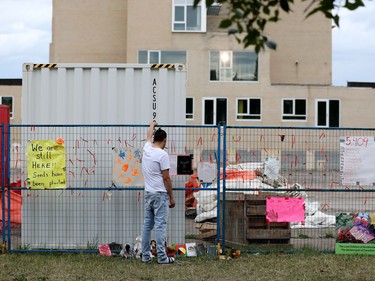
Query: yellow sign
46,164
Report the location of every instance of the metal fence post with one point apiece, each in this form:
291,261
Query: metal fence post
6,181
224,176
218,216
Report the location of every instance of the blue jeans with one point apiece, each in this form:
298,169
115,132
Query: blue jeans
156,214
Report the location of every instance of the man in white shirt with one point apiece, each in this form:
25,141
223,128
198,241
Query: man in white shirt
158,194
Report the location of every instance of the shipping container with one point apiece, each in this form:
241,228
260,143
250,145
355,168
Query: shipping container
103,93
76,97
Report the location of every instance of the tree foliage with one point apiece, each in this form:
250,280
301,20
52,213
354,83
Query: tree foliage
247,19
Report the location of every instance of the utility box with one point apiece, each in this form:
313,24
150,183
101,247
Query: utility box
103,94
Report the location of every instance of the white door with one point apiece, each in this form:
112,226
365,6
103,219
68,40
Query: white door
327,113
214,111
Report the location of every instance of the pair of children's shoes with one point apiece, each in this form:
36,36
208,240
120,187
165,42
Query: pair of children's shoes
168,260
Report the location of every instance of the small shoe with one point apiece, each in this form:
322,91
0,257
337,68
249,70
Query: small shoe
147,261
168,260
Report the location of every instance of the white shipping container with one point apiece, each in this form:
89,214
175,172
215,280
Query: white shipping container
95,94
103,94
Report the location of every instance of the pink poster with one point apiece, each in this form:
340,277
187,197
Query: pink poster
284,209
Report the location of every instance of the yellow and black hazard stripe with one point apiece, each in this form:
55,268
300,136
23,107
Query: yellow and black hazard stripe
45,65
162,65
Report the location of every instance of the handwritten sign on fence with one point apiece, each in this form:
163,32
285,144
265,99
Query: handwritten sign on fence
272,167
284,209
46,164
207,171
357,156
127,167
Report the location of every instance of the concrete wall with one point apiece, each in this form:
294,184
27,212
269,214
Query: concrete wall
89,31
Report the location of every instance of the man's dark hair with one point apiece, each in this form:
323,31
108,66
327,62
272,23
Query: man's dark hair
160,135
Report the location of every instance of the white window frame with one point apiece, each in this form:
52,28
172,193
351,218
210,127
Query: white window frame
192,113
159,54
293,114
214,99
224,68
204,99
327,112
11,110
248,109
185,4
148,55
153,51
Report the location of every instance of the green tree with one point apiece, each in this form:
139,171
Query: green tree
250,17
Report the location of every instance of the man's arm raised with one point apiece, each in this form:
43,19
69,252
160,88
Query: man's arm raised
150,131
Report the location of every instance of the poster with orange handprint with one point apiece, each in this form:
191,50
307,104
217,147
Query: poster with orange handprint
127,169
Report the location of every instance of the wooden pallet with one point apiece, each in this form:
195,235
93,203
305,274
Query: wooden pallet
207,230
245,220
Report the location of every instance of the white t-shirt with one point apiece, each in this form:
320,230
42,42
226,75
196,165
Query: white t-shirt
154,160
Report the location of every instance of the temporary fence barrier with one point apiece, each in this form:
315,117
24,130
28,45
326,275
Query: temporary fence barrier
77,187
307,180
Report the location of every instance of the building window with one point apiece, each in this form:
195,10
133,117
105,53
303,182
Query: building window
248,109
294,109
327,113
233,66
8,101
155,56
189,108
187,18
214,111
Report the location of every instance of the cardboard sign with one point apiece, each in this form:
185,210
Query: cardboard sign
191,251
361,233
127,168
46,164
284,209
354,234
184,164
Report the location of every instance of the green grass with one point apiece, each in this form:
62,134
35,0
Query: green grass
32,266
